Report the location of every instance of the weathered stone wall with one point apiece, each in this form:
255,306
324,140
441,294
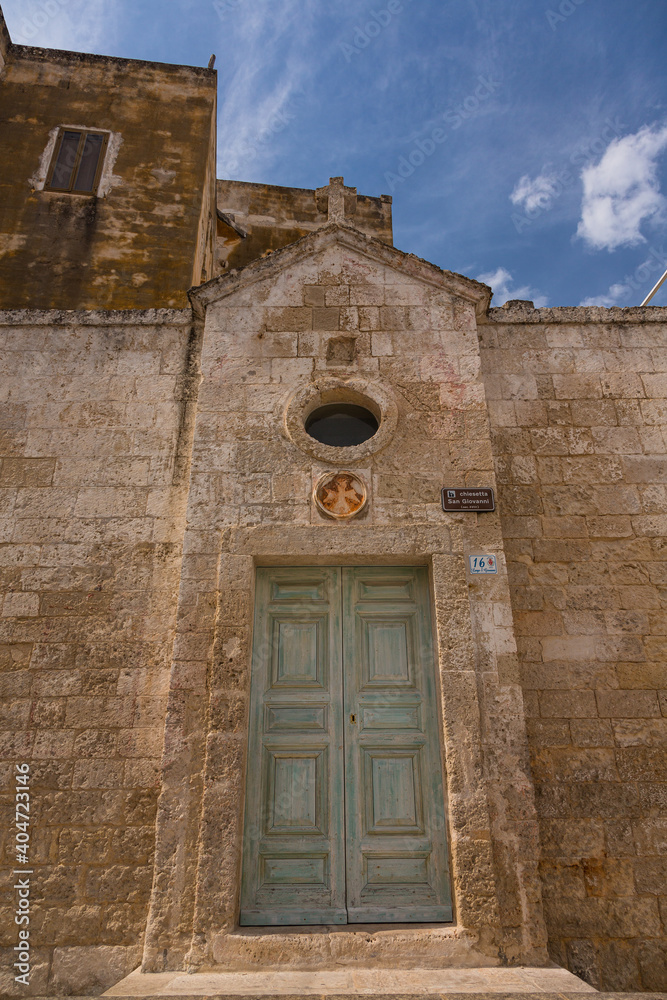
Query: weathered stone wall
272,217
578,406
5,41
91,419
96,441
339,308
148,234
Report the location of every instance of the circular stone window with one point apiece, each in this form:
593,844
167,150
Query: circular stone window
341,421
341,424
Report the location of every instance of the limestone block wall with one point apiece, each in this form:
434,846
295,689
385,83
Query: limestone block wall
91,416
272,216
338,308
578,406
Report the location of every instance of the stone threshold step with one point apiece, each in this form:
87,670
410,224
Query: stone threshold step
351,981
391,996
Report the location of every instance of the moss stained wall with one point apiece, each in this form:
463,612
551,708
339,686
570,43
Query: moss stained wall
138,244
273,217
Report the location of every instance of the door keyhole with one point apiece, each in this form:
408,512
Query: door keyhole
353,718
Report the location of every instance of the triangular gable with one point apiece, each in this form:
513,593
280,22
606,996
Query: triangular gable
335,234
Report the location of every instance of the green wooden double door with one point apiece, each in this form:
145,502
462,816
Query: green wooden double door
344,819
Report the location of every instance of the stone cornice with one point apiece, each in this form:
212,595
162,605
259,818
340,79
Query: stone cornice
335,233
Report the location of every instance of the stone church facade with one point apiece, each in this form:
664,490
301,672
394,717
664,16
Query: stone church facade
263,696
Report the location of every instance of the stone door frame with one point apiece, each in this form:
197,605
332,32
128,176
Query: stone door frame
193,920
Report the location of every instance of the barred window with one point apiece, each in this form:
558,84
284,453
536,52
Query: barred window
77,161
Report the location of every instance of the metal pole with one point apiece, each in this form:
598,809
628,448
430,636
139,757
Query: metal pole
654,290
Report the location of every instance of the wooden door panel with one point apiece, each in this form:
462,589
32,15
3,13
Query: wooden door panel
285,718
296,792
390,717
392,792
396,844
305,588
294,870
299,646
294,859
400,588
389,658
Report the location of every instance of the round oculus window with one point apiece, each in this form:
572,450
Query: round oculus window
341,421
341,425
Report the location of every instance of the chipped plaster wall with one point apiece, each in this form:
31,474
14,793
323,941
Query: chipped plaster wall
342,307
93,413
148,235
578,406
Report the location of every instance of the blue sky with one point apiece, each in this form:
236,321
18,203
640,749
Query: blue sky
524,141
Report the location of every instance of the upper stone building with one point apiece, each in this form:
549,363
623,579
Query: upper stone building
262,688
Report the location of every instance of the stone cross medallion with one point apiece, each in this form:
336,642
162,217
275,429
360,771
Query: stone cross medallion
340,494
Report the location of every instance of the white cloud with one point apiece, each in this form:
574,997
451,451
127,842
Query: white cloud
536,193
500,281
614,297
621,191
634,288
78,25
268,70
